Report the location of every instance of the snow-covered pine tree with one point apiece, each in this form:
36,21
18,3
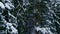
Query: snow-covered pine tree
8,20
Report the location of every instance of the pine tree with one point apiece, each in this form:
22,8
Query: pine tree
8,20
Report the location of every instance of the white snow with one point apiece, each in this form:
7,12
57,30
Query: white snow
9,6
11,15
48,21
43,30
14,30
7,1
2,5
